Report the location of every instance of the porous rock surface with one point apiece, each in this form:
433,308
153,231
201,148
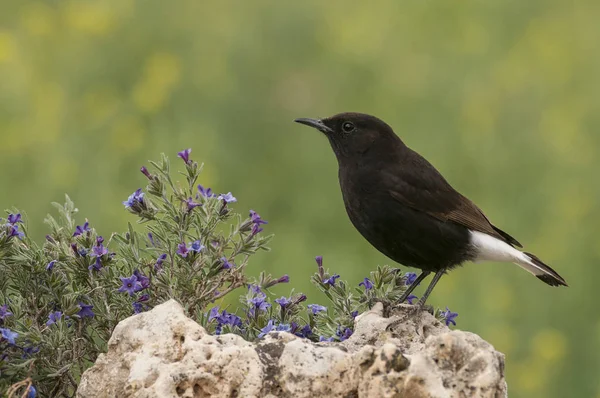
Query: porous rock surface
163,353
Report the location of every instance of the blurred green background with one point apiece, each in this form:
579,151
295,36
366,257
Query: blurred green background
503,97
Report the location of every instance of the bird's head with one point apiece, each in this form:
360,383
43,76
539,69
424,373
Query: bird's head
353,134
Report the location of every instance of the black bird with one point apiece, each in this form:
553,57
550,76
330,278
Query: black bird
404,207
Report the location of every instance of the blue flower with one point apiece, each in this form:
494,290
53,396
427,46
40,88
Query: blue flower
227,197
99,250
196,246
14,218
182,249
316,308
305,332
130,285
226,263
282,327
50,265
367,284
344,334
255,218
137,307
411,277
223,319
331,280
4,312
159,262
191,204
151,239
31,392
96,265
266,329
213,313
143,280
449,317
411,298
53,317
143,298
207,193
30,351
283,301
256,229
326,339
134,198
354,314
14,231
9,335
185,155
85,310
319,260
81,229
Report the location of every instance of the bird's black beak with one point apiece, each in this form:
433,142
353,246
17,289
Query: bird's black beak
316,123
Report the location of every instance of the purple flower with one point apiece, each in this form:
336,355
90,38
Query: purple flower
305,332
185,155
411,277
226,264
300,298
191,204
344,334
99,250
213,313
130,285
29,351
53,317
14,218
182,249
4,312
255,218
151,239
449,316
283,327
135,198
159,262
319,260
85,310
207,193
31,392
326,339
227,197
14,231
142,279
96,265
9,335
145,172
137,307
81,229
256,229
266,329
143,298
196,246
411,298
368,285
331,280
284,279
316,308
354,314
50,265
283,301
258,302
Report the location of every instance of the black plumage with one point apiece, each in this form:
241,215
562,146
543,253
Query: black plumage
405,208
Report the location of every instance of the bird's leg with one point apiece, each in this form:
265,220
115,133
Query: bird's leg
434,281
412,287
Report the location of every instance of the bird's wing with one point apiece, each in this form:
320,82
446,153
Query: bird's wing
427,191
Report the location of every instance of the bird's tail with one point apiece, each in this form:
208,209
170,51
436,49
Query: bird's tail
542,271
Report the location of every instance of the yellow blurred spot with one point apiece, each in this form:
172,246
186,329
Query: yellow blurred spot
475,38
127,134
530,376
161,74
100,103
503,336
63,171
7,47
39,19
49,103
89,16
549,345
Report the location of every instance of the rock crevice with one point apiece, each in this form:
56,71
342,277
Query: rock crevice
163,353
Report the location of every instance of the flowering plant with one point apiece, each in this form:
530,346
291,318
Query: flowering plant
60,301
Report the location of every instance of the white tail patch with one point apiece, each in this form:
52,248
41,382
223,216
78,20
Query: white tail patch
489,248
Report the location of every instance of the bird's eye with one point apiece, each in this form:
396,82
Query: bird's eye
348,127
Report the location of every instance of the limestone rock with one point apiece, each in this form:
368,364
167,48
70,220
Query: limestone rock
162,353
